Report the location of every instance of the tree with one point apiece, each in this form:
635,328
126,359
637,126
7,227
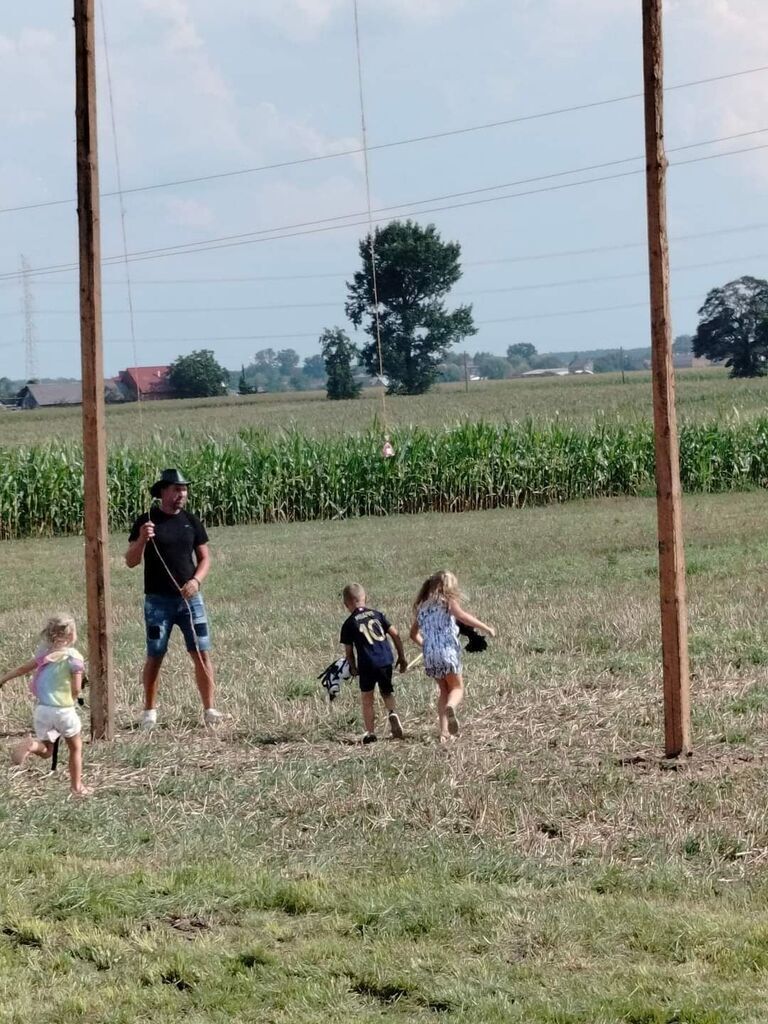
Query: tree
734,326
7,390
491,366
287,361
265,359
338,353
314,368
682,344
522,352
451,372
415,270
198,375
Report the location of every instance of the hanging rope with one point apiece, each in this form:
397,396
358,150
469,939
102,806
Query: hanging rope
387,450
129,288
118,173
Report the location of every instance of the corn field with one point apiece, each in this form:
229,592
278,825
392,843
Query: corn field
256,477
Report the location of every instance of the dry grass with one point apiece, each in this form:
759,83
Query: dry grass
549,867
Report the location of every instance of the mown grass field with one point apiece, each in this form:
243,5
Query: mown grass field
702,395
548,868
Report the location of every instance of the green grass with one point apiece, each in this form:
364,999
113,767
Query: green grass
702,395
549,868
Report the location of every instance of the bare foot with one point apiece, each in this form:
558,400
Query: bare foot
22,750
453,722
81,793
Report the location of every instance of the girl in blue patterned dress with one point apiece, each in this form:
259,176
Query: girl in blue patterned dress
436,612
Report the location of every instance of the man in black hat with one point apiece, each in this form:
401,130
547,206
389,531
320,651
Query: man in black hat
174,547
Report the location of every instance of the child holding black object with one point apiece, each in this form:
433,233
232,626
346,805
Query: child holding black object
436,618
364,635
57,679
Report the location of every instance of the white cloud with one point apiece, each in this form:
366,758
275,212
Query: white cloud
184,47
29,64
719,37
303,18
189,213
183,34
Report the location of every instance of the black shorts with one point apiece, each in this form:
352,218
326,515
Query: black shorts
382,675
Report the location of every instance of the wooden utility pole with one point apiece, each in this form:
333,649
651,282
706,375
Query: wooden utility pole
92,357
466,373
621,357
674,615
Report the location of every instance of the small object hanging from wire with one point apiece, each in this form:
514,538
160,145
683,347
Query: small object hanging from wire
387,451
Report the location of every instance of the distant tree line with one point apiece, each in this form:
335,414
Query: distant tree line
279,371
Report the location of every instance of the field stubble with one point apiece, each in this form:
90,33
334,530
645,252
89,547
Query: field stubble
550,867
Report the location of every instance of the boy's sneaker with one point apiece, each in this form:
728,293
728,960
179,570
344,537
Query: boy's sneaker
395,725
369,737
149,720
212,716
453,722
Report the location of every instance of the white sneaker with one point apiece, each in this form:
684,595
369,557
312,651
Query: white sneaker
149,720
212,716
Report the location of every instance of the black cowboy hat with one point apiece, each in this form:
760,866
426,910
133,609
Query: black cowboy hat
167,478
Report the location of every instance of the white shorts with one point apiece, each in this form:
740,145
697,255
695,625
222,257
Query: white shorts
50,723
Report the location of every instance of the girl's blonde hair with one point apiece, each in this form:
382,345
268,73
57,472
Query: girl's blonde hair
59,629
441,586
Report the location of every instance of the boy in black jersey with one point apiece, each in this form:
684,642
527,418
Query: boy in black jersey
364,635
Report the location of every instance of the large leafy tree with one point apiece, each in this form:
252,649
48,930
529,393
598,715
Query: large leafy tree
734,326
522,352
491,366
198,375
338,354
287,361
314,368
415,270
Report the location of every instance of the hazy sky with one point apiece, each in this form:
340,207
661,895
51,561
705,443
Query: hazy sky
202,88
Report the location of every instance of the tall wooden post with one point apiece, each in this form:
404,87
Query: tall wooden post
674,615
94,432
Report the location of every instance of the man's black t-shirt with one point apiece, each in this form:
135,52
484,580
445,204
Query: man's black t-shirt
366,630
176,537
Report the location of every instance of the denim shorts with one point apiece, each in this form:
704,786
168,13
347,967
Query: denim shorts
162,613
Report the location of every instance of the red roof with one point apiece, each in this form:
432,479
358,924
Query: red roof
150,380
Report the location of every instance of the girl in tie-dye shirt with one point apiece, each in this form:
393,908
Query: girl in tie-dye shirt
57,678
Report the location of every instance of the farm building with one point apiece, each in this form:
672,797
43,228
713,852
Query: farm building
40,396
60,393
148,383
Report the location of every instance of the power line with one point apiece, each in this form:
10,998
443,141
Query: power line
202,309
581,312
176,341
192,246
451,195
213,280
273,234
314,334
537,286
448,133
521,258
